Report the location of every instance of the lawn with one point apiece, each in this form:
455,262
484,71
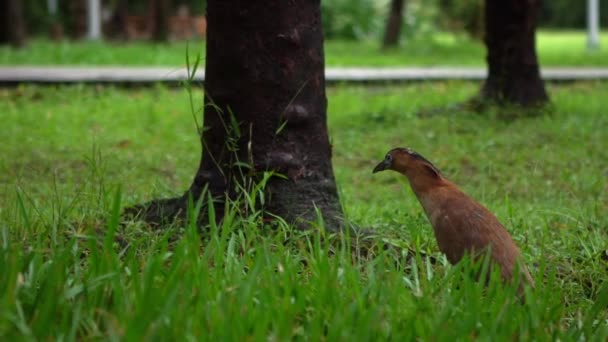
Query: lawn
555,48
72,156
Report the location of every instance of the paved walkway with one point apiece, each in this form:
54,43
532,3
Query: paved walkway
143,75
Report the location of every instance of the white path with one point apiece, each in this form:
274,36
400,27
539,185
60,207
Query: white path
95,74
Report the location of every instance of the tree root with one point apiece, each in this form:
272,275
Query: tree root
159,212
501,110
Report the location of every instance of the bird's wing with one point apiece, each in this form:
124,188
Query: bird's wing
486,231
470,227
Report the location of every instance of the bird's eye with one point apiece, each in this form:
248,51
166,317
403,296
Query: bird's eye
388,158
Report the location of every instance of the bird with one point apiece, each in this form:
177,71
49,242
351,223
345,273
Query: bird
461,224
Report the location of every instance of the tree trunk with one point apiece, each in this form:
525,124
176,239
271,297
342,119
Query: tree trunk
513,70
78,18
159,19
12,30
265,106
117,28
265,65
93,19
393,24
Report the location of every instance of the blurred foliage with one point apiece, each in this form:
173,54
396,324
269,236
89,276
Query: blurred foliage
37,16
420,18
357,19
38,20
350,19
462,15
568,13
467,15
345,19
141,6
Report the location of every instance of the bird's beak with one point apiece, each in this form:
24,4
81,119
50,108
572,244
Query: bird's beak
382,166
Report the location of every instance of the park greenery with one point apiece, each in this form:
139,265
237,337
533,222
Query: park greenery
349,19
555,48
72,268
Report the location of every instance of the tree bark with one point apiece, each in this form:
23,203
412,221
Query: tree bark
393,24
513,70
12,30
265,109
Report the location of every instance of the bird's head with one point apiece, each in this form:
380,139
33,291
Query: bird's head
407,162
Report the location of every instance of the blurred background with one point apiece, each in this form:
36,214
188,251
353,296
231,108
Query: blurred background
173,20
80,140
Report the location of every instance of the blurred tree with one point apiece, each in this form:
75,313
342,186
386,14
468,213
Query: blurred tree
464,15
196,6
393,24
93,19
467,15
567,14
158,19
593,24
513,70
12,23
265,110
349,19
77,14
117,26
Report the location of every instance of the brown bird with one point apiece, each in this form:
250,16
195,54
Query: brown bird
461,224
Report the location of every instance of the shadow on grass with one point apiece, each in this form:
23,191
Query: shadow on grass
496,109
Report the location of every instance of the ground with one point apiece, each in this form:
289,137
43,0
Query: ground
72,156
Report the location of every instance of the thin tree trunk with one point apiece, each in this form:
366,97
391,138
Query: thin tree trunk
265,110
159,19
78,14
513,70
117,28
12,22
93,19
393,24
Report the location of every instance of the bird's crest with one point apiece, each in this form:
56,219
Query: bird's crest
416,155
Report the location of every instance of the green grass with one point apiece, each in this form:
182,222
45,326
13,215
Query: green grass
555,48
72,156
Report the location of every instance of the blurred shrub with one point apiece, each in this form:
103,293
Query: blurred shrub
420,19
568,13
350,19
353,19
140,7
358,19
467,15
462,15
37,18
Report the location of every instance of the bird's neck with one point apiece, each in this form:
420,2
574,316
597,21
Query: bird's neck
429,190
423,182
